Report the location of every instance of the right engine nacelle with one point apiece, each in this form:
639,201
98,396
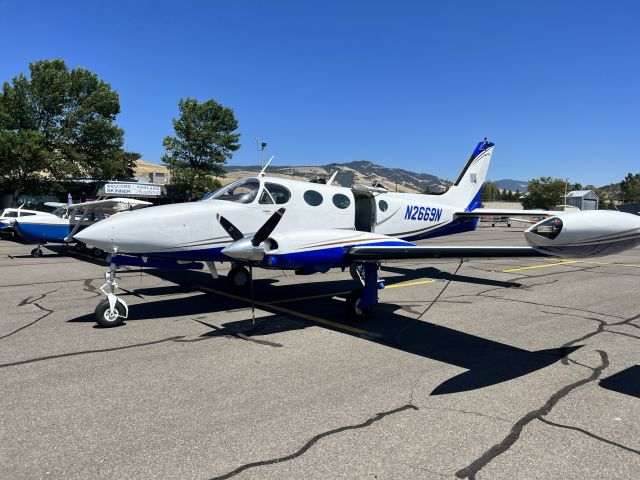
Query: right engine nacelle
585,234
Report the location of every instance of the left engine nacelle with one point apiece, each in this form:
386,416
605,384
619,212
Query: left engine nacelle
585,234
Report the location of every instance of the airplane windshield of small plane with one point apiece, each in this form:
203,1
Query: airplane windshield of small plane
243,191
274,193
59,212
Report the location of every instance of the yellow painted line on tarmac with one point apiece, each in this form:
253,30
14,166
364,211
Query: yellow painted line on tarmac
288,311
631,265
408,284
531,267
593,262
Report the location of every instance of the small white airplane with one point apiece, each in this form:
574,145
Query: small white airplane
327,226
67,219
10,214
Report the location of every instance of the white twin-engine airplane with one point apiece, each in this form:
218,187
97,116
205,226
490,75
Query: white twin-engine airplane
327,226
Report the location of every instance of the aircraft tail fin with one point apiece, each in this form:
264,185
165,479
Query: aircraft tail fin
465,192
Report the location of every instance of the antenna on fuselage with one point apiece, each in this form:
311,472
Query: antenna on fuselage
261,174
332,178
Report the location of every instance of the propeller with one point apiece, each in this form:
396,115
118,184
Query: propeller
248,248
268,227
230,228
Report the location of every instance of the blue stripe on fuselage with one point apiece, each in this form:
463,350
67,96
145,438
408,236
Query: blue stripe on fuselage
41,233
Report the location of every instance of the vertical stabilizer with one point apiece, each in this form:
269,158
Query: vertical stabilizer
465,192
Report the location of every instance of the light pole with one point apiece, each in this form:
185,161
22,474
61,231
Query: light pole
564,207
261,146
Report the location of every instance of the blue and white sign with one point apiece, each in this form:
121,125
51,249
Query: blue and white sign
136,189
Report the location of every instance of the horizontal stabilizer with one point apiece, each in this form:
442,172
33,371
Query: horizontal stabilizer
374,253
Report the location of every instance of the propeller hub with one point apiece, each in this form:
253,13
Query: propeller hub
244,250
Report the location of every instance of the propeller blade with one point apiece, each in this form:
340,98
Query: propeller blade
268,227
230,228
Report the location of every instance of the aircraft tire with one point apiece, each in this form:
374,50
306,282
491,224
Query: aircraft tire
239,278
36,252
105,319
353,312
79,247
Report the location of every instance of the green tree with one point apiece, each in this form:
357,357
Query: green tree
630,188
204,139
489,192
544,192
57,124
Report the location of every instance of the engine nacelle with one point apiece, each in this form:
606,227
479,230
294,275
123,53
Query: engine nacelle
315,248
585,234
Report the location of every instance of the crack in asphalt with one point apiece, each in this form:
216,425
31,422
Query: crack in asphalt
471,470
314,440
592,435
85,352
30,301
89,287
538,304
467,412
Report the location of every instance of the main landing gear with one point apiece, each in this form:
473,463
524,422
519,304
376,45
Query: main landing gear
112,311
360,302
239,278
37,252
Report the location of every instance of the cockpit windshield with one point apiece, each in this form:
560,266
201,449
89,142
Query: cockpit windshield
242,191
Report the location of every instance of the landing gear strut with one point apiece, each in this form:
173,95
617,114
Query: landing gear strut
37,252
239,278
112,311
361,301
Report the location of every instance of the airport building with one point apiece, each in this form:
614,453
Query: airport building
583,199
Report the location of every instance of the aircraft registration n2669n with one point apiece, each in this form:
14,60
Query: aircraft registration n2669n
278,223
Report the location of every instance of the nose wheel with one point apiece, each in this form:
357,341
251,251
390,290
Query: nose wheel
36,252
112,311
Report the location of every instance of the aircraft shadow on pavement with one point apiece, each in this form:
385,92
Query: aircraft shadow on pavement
486,362
627,381
431,272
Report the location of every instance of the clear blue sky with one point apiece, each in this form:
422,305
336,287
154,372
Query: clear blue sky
555,84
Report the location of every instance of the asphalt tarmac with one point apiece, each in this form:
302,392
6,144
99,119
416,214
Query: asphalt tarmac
474,369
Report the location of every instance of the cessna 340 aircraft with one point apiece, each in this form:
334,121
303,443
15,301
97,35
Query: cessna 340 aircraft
327,226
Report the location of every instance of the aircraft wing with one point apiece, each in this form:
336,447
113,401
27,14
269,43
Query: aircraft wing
376,253
505,212
110,205
55,204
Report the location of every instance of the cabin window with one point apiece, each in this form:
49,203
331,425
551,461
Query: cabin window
26,214
274,193
341,201
11,214
313,198
383,206
242,191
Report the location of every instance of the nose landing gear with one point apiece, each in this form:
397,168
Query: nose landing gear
112,311
37,252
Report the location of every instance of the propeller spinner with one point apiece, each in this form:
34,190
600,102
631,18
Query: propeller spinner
249,248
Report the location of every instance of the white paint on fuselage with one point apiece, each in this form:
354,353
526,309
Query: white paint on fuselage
193,226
